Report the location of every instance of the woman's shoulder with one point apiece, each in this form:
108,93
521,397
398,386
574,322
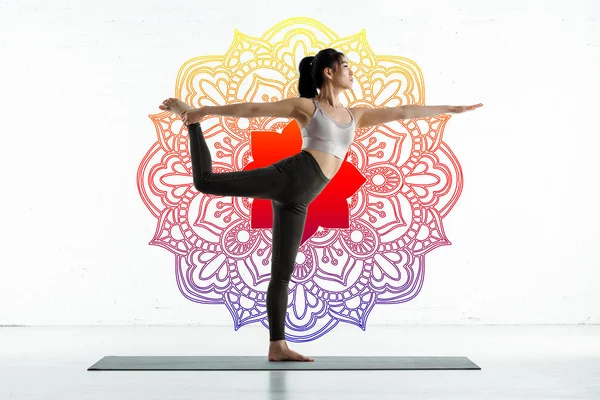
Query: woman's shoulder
306,105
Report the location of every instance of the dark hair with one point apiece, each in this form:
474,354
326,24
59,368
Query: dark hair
311,70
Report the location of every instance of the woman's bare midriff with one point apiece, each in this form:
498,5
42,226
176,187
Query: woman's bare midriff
329,163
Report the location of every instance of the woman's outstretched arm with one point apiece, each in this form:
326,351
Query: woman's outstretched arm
366,117
287,108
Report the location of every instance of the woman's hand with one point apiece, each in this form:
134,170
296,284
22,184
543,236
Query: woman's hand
462,109
190,117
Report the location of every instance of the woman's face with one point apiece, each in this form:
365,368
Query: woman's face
343,77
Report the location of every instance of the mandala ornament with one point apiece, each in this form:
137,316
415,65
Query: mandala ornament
366,235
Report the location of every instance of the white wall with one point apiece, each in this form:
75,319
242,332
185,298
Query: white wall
79,80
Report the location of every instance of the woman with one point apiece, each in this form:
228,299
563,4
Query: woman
292,183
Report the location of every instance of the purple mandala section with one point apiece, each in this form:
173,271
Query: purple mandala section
312,311
412,182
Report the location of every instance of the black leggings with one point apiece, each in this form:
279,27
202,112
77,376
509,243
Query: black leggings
291,184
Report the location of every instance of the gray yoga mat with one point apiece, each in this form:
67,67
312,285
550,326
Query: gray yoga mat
231,363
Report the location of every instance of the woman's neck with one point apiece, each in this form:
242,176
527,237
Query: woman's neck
330,96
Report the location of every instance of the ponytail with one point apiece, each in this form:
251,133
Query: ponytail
306,82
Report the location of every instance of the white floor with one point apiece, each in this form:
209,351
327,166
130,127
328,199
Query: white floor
518,362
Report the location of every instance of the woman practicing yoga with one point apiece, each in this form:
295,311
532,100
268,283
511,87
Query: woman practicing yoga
292,183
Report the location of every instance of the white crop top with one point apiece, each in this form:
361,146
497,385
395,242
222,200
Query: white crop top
325,134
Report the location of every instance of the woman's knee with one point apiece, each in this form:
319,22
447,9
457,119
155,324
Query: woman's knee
202,184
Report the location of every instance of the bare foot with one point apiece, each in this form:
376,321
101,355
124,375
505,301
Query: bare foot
174,105
278,351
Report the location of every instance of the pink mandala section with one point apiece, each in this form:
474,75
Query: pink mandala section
412,181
